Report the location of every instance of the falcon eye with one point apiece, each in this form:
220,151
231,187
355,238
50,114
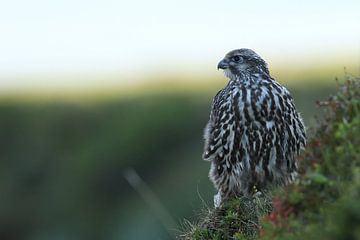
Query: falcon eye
237,59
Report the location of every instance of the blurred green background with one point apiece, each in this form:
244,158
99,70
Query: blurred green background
94,91
63,161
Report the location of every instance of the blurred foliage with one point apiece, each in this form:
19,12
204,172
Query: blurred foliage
323,204
62,163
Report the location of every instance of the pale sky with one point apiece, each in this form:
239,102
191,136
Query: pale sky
74,37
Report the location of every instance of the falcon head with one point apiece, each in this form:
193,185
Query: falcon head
241,61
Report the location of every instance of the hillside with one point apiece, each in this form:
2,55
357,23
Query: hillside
322,204
62,161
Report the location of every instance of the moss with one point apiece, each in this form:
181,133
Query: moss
238,218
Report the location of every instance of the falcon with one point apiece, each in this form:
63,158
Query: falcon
254,132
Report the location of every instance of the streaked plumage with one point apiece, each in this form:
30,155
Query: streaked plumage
254,132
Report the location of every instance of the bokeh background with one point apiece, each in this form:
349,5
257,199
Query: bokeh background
103,103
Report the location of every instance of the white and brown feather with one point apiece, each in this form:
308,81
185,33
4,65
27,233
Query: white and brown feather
253,135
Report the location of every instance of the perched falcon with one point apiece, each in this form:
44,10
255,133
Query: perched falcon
254,132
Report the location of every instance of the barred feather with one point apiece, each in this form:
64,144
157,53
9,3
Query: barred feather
254,132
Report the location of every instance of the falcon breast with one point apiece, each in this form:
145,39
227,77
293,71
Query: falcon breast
254,132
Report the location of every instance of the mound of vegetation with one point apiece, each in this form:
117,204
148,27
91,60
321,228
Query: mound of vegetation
322,204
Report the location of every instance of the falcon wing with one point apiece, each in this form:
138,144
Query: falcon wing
215,133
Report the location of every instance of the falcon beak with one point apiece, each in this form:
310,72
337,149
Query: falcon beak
223,64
